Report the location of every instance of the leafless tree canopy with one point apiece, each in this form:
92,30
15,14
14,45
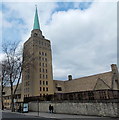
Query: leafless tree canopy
11,69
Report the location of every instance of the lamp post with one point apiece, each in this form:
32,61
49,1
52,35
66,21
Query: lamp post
38,107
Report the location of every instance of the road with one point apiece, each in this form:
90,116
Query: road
19,116
22,116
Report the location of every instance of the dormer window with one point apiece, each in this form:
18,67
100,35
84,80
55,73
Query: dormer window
59,88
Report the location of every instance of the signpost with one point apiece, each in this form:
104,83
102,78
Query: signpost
25,107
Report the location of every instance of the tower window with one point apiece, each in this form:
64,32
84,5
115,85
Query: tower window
40,82
28,82
42,53
46,82
40,63
43,82
28,76
43,76
40,76
46,76
46,59
46,88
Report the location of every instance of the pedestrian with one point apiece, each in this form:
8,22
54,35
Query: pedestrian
20,109
50,108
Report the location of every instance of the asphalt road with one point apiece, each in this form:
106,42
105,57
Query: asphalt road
18,116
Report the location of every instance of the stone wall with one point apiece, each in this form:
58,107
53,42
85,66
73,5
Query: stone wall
98,109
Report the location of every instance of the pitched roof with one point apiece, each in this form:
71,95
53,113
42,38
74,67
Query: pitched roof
87,83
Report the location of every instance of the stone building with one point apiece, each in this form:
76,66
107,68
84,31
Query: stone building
37,76
7,96
102,81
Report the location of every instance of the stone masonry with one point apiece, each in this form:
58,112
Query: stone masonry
97,109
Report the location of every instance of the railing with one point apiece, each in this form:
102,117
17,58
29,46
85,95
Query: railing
97,95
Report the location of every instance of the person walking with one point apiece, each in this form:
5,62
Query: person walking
50,108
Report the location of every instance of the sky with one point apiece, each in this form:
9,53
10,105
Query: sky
83,35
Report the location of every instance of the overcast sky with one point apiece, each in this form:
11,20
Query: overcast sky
83,35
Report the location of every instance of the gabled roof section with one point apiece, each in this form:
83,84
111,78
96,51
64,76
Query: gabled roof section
100,84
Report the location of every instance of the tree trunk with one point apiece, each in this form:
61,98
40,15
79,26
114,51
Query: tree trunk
12,103
2,95
12,99
2,98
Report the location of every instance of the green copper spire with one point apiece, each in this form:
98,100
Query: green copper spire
36,21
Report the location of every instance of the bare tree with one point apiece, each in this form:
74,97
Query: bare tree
13,66
4,80
12,69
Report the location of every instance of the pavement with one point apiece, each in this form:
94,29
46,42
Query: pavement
57,116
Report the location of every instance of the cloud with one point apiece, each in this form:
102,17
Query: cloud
59,1
2,56
18,19
83,41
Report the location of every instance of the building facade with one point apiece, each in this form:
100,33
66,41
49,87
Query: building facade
37,76
7,96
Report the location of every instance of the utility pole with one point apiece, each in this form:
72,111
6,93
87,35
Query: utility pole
38,107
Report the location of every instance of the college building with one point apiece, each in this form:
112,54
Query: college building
37,74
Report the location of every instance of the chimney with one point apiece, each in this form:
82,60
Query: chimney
114,68
69,77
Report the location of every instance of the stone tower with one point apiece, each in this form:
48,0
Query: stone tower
37,77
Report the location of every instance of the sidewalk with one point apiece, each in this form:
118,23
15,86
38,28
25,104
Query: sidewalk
58,116
55,115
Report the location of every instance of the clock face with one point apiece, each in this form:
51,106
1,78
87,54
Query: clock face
35,34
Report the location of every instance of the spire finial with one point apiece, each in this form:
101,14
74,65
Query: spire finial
36,20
